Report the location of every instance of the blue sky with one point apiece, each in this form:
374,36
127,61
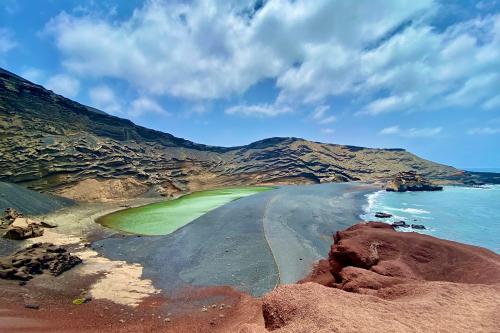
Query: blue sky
422,75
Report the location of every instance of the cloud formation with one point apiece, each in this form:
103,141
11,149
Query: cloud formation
484,131
258,110
387,53
64,85
425,132
103,98
7,42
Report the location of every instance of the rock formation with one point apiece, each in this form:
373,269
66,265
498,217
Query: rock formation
36,259
53,144
410,181
380,280
17,227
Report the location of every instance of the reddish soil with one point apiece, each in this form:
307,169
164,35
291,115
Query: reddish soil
180,313
375,280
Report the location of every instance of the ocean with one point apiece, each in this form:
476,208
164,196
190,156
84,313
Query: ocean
468,215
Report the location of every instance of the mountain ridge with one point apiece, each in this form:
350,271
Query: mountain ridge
51,143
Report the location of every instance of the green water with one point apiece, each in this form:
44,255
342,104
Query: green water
165,217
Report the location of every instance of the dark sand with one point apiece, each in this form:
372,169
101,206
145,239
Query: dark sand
252,243
230,246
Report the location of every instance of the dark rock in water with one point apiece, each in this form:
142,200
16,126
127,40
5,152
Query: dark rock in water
36,259
410,181
383,215
400,224
418,226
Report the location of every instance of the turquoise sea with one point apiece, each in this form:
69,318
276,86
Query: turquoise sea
468,215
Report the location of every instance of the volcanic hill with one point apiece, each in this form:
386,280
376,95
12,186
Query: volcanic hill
52,144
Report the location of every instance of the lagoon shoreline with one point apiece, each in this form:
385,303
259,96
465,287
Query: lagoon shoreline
181,308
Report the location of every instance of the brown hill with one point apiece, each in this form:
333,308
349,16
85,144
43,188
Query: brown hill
51,143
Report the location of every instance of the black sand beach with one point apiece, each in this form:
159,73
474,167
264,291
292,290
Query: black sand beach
253,243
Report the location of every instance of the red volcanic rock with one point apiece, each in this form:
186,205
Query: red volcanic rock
388,281
421,307
377,247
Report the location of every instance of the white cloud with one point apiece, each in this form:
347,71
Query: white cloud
327,131
483,131
386,52
320,111
33,74
7,42
63,84
390,130
259,110
103,98
328,120
320,115
143,105
426,132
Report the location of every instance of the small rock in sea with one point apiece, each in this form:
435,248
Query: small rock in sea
400,224
383,215
418,226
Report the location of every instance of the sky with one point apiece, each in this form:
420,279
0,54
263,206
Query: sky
421,75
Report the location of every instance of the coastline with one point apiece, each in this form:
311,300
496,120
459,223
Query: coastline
181,309
461,213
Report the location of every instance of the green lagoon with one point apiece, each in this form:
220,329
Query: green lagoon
165,217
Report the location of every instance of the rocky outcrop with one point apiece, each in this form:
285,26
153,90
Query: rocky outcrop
36,259
410,181
375,252
15,226
422,307
380,280
50,143
382,215
30,230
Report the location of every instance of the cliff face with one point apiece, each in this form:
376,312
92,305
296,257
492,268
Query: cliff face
410,181
50,143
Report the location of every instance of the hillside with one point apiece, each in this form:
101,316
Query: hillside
50,143
29,202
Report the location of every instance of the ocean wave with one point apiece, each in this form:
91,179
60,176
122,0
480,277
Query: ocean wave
415,211
372,200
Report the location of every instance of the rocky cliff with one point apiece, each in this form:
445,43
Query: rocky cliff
410,181
388,281
50,143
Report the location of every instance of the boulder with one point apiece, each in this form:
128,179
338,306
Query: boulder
383,215
18,233
418,226
35,259
9,216
410,181
20,227
400,224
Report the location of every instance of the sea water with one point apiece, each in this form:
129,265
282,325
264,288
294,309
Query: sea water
468,215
